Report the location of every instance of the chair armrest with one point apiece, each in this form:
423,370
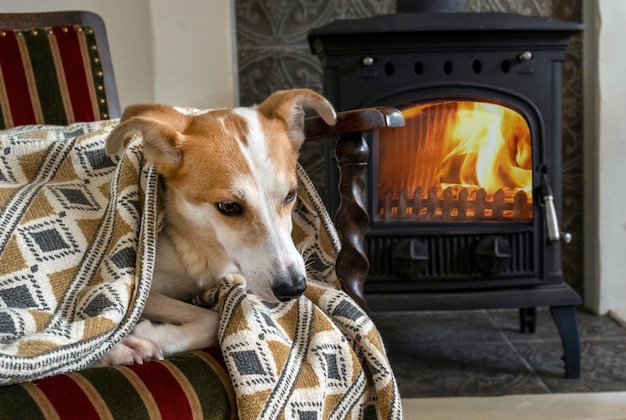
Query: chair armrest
352,219
358,120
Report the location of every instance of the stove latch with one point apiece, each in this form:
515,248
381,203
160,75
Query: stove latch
492,255
410,257
554,233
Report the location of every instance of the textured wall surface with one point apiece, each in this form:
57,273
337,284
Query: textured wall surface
273,54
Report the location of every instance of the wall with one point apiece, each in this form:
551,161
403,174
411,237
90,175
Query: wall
193,53
163,51
606,156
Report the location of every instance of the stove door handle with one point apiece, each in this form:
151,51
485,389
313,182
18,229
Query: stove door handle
554,233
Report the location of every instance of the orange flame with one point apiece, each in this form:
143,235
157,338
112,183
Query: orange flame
460,144
489,147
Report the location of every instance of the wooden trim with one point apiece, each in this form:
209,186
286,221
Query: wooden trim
365,119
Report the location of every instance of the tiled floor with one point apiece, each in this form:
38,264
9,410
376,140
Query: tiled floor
481,353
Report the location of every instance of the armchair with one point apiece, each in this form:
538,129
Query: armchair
197,384
36,90
56,69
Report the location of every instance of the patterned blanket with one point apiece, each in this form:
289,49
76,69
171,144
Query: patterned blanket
77,237
317,357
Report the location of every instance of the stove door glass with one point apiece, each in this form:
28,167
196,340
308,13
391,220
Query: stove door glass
455,160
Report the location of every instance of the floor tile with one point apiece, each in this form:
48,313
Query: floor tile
589,325
482,353
603,365
462,370
436,327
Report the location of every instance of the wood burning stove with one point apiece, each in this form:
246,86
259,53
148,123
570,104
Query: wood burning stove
464,202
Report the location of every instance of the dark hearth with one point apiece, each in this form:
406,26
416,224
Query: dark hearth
465,201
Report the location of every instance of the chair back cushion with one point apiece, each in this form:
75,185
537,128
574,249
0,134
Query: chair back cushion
50,75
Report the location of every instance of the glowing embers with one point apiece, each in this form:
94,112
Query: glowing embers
456,160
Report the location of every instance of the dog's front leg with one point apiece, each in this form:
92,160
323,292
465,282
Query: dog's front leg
168,326
177,326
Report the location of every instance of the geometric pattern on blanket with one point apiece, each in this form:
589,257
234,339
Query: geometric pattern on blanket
77,235
317,357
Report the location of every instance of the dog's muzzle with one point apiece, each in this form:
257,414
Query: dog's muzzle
290,285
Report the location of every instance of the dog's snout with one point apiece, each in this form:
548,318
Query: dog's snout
286,291
289,286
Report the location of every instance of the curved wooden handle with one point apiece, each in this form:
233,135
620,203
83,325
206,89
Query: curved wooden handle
357,120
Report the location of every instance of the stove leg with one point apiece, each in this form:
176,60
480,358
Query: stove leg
527,320
565,319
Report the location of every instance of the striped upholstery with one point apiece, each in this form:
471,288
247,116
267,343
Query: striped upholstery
50,75
184,386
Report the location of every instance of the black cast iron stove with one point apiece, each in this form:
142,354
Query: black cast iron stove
465,201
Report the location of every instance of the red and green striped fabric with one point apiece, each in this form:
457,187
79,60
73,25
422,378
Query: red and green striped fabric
50,75
193,385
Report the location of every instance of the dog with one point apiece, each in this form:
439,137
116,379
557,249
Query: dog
229,184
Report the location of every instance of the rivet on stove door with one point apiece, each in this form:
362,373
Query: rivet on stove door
368,61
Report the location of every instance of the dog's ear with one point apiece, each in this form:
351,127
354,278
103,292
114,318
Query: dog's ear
290,105
161,127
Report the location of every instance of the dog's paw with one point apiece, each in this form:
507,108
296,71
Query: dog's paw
130,350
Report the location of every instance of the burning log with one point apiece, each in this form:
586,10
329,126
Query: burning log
457,204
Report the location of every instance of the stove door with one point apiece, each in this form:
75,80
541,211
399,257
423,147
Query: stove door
455,160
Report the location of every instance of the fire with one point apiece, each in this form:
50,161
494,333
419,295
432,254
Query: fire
452,146
489,147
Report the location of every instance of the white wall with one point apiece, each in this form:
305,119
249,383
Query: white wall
177,52
193,58
605,137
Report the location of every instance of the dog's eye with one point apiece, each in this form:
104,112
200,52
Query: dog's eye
229,208
291,196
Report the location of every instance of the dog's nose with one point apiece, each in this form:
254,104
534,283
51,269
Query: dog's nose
290,286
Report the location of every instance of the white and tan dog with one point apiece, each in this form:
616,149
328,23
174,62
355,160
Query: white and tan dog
229,179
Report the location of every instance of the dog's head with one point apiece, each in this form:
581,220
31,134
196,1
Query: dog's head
230,178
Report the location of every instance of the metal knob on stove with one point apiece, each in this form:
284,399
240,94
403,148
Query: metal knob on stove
410,257
492,254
